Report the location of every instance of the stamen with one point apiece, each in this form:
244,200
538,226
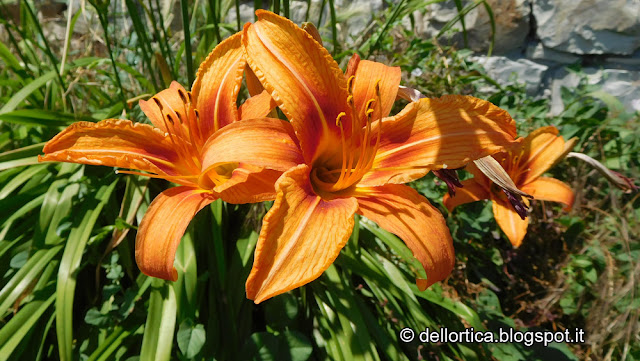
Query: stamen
343,170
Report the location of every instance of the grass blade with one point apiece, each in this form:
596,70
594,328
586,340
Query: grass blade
69,266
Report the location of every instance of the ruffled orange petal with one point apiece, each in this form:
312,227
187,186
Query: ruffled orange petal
294,247
267,143
257,106
509,221
249,184
301,76
162,229
367,75
217,84
540,150
117,143
470,192
399,209
447,132
551,189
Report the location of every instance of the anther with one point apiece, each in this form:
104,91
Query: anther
370,104
190,97
157,102
197,113
170,119
378,87
339,119
182,96
179,117
350,84
369,112
350,100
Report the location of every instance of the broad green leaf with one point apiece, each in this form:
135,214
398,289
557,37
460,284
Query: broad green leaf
161,321
191,338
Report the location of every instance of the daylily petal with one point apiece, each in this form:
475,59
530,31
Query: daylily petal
162,229
551,189
268,143
509,221
217,84
447,132
301,76
257,106
249,185
471,191
253,83
540,150
367,75
401,210
170,99
116,143
294,247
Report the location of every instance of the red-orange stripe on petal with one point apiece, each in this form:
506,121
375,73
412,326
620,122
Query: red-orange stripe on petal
162,229
403,211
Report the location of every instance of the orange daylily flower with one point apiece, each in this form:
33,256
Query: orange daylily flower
190,143
355,158
525,163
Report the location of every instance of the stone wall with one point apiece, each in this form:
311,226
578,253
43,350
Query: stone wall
537,39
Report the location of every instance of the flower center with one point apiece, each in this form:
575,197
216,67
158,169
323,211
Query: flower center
338,171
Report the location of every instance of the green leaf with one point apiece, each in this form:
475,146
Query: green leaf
23,93
191,338
17,328
70,265
40,117
161,322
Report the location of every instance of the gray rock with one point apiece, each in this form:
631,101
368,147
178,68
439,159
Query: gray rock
539,52
511,20
509,71
589,26
623,84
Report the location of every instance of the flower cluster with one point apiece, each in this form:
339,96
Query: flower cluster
337,154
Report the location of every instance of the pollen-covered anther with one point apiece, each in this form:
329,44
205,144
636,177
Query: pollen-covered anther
339,119
350,84
350,100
